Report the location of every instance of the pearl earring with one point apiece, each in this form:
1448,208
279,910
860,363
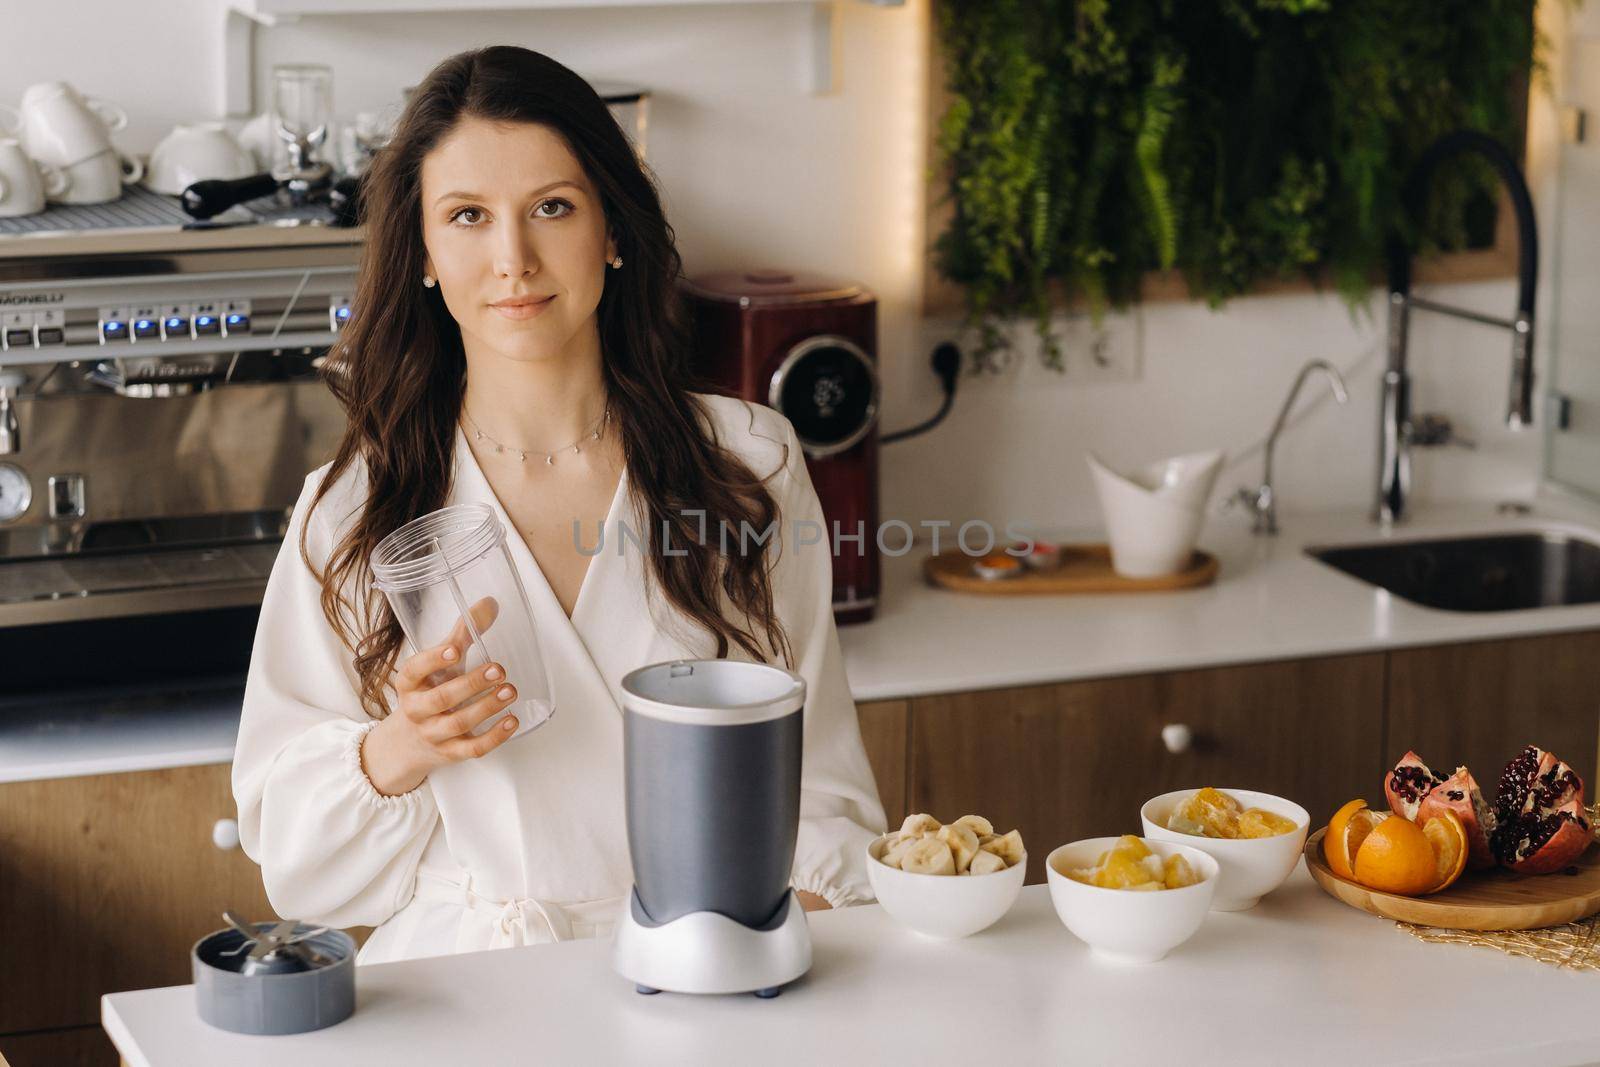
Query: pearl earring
427,280
616,264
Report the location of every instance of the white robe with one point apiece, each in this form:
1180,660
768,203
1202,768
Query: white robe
529,843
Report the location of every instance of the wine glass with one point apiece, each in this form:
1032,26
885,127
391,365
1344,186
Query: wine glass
302,97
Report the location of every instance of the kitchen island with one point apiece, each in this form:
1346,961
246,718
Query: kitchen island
1057,715
1300,978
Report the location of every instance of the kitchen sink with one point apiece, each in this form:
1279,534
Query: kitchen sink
1502,572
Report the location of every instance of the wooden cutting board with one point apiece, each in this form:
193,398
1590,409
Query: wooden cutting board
1480,900
1084,569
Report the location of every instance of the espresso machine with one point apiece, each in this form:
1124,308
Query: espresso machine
711,750
161,405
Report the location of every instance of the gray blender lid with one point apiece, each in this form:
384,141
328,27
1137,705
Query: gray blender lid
713,692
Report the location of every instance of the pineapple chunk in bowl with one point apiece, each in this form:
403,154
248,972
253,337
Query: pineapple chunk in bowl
1251,867
1106,909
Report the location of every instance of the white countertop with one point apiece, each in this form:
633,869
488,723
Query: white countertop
1301,978
1270,601
112,733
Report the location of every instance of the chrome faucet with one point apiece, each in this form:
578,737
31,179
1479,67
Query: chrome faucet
1262,501
1396,432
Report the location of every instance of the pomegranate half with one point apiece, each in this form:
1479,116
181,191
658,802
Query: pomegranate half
1541,823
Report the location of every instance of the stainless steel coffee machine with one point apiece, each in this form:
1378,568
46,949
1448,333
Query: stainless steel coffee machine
159,408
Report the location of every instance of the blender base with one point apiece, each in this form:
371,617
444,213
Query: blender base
764,994
707,952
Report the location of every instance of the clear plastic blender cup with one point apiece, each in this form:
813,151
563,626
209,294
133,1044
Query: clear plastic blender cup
448,576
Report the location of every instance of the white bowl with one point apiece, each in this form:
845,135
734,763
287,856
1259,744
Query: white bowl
196,152
943,905
1122,924
1251,867
1153,515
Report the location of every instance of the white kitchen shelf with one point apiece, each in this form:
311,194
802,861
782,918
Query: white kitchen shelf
243,16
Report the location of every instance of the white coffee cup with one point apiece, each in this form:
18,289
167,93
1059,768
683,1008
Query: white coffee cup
195,152
60,127
25,182
99,178
260,136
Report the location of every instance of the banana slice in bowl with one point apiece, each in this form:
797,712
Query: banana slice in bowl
947,880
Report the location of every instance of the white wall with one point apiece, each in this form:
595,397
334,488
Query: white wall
1216,380
159,61
756,170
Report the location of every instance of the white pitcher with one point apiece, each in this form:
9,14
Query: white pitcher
1153,515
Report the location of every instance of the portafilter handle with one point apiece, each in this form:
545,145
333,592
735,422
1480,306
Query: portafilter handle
204,199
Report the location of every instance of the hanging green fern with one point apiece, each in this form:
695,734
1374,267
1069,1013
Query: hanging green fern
1160,106
1090,141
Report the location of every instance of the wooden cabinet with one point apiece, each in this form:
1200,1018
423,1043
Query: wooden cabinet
78,1046
1077,759
883,732
1481,703
1073,760
105,884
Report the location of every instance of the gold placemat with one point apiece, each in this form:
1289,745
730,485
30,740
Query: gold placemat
1572,946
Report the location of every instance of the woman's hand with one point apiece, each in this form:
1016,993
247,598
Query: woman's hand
433,724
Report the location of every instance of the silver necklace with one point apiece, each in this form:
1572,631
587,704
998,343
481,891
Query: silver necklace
549,457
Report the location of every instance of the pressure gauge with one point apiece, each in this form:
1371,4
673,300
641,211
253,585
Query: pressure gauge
16,492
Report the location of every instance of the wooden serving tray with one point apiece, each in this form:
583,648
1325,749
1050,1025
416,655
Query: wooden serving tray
1084,569
1480,900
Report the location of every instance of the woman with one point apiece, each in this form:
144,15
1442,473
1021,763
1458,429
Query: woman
517,340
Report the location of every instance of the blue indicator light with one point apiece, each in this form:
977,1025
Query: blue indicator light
204,320
113,327
344,313
143,324
232,319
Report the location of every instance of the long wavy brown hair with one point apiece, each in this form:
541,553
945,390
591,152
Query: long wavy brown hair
400,372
